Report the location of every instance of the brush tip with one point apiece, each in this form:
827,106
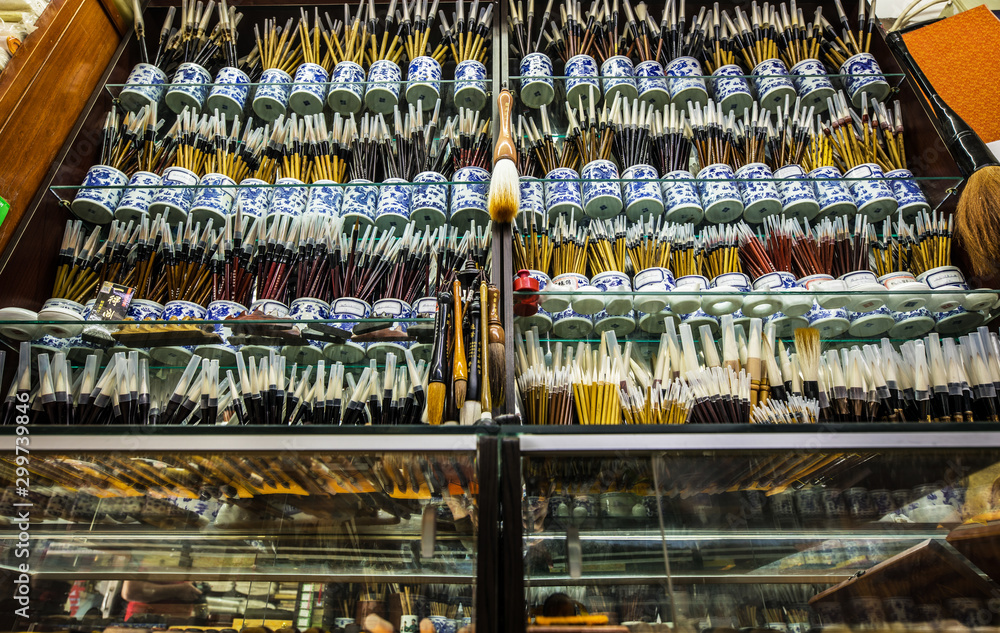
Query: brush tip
505,193
977,220
461,386
435,402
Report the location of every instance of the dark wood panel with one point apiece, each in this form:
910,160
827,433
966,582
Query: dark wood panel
42,100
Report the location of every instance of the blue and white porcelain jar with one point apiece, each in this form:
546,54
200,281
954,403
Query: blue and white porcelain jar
176,311
429,206
619,299
271,98
765,296
360,199
347,310
229,93
866,293
175,196
832,195
134,205
725,294
830,323
582,81
384,77
911,325
908,294
393,210
470,85
224,352
254,198
656,323
957,321
347,88
773,84
390,309
793,298
541,319
289,199
144,86
652,82
686,295
870,324
680,198
730,89
325,198
531,209
584,298
798,199
443,624
828,292
308,89
570,284
642,193
468,200
213,200
98,196
655,285
537,87
812,84
909,197
66,317
301,310
602,195
760,196
423,82
620,324
188,88
571,325
719,195
862,75
618,78
949,289
686,82
871,192
563,195
699,318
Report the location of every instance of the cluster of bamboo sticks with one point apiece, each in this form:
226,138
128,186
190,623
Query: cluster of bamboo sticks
917,247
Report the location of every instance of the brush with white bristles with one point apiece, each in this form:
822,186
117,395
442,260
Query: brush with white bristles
505,193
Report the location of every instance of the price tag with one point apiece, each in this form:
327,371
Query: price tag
112,302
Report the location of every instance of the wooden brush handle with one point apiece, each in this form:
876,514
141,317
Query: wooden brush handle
460,371
496,328
484,345
505,142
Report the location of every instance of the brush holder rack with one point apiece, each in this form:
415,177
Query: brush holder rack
570,324
656,280
429,206
812,84
831,323
643,193
910,325
423,82
730,89
471,86
865,292
384,77
537,85
618,78
390,309
862,75
347,88
393,210
145,85
652,83
621,324
871,192
325,199
224,352
271,97
681,201
66,316
229,93
188,88
99,195
870,324
138,195
686,83
582,81
760,196
468,198
832,195
306,309
346,311
175,196
601,192
213,199
308,89
725,294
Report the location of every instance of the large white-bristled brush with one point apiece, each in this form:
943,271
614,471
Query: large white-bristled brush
505,191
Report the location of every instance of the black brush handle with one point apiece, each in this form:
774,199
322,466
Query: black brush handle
968,150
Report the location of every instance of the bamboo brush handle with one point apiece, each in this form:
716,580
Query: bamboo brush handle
461,367
496,328
505,142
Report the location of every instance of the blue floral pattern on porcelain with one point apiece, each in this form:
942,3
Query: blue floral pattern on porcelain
642,192
730,88
719,195
863,75
537,86
563,195
384,77
871,192
188,88
652,81
289,197
618,77
471,196
798,200
680,197
229,93
215,195
429,206
831,193
773,84
686,82
271,98
326,199
582,80
112,182
254,200
145,85
760,195
347,88
470,85
423,82
138,196
812,84
602,196
308,89
360,200
174,200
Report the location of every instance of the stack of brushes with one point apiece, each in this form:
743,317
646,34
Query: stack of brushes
916,248
813,250
524,38
848,43
670,142
350,45
632,138
385,43
589,130
278,46
467,38
416,30
875,137
541,145
129,143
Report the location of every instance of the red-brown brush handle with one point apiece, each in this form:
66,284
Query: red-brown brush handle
505,142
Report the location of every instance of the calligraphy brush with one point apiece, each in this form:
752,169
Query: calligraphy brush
436,376
504,193
670,140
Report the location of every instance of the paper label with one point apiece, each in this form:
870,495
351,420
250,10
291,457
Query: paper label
112,302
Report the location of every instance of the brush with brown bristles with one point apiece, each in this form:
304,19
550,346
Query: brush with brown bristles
497,355
460,367
505,191
436,379
977,217
807,347
485,397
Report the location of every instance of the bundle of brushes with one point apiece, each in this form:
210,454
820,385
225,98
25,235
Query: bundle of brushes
278,45
539,149
860,138
415,30
193,41
670,140
269,391
849,42
130,143
917,248
590,130
468,37
525,39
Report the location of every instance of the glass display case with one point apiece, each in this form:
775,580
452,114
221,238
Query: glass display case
735,529
229,531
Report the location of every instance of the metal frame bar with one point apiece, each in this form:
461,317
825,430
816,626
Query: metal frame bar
137,441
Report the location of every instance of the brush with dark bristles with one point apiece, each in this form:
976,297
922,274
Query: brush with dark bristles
505,192
497,356
436,377
459,365
807,346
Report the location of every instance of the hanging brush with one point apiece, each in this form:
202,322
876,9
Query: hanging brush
504,194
